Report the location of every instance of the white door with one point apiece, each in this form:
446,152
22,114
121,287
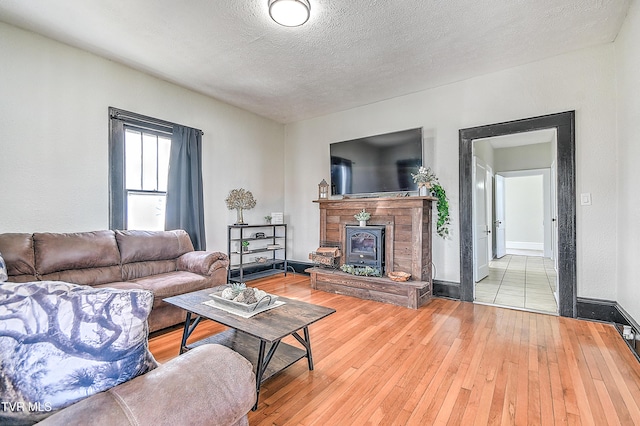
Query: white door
489,204
554,225
499,225
481,229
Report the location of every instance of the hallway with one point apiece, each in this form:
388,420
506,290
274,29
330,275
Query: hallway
524,282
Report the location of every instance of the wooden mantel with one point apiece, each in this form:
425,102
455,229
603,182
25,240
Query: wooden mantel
407,222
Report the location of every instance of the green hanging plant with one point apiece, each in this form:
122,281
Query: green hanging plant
426,177
443,222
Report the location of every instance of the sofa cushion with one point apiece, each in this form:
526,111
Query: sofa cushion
61,342
3,270
88,276
78,252
131,271
17,251
120,285
172,284
141,246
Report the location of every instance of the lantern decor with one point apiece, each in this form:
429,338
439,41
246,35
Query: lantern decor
323,190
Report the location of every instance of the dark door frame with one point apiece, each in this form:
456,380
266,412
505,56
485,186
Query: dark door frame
564,123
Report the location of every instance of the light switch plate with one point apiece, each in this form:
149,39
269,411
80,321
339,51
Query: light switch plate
585,199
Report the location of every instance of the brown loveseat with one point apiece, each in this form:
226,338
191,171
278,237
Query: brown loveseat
161,261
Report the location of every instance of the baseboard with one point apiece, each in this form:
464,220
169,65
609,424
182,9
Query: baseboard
299,267
292,266
599,310
448,289
611,312
634,344
524,245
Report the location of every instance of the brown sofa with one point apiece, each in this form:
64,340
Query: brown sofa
209,385
161,261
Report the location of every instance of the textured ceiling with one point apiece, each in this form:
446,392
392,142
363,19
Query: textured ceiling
350,52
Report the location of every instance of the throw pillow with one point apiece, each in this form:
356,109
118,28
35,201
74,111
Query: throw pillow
3,270
61,342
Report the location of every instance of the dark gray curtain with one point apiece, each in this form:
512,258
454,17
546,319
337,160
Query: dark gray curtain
185,207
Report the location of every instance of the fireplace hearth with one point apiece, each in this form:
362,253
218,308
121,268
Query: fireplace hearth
365,246
403,246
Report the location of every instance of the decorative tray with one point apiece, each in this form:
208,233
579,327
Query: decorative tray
266,301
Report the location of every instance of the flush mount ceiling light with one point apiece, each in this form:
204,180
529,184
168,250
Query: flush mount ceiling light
290,13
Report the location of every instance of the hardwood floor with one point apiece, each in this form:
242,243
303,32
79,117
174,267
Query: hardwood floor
449,362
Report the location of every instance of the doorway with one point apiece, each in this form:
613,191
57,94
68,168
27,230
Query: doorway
564,124
522,275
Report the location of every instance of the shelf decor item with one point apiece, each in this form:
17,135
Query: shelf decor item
240,199
427,181
277,218
323,190
362,217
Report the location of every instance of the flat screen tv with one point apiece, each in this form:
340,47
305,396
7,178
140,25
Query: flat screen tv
376,164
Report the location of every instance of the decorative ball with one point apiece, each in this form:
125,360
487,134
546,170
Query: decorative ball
249,296
227,293
259,294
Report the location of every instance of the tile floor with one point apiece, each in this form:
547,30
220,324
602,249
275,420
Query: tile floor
524,282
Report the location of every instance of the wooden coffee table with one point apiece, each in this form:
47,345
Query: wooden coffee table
257,338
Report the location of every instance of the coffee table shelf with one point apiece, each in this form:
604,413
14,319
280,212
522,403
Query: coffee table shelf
248,347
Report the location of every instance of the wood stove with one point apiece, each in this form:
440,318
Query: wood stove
365,246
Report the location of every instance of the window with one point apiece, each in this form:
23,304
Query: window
139,149
146,171
144,193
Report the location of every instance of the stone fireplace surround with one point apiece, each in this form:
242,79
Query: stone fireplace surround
407,222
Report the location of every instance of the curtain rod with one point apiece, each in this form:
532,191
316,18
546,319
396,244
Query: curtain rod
119,114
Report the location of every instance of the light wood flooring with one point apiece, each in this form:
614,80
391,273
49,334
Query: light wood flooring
449,362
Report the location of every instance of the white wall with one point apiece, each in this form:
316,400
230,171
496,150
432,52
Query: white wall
524,212
625,213
583,81
526,157
54,139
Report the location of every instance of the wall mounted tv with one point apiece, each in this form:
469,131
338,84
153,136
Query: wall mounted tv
376,164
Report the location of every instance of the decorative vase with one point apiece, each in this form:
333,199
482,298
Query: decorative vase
423,189
363,223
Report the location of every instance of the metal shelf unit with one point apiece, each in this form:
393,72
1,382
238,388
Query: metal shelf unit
243,261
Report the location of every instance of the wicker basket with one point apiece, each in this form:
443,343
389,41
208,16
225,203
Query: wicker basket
399,276
322,259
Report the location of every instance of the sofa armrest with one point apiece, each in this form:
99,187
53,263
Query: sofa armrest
203,262
209,385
